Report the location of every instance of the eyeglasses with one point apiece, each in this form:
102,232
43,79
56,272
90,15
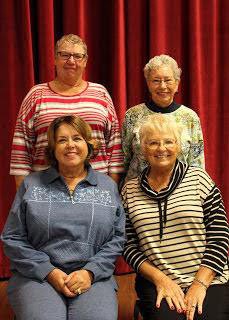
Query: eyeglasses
167,143
167,82
66,55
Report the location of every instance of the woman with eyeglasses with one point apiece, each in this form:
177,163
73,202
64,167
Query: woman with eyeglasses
177,231
162,76
68,93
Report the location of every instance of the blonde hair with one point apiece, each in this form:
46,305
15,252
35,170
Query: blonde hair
70,38
158,122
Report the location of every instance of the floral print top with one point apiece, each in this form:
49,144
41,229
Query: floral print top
192,146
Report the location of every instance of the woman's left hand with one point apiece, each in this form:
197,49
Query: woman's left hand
194,299
79,281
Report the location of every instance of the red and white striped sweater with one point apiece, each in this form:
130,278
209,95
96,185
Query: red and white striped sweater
41,105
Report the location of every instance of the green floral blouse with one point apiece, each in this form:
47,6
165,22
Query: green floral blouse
192,146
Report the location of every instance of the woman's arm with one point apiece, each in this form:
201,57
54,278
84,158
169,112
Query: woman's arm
196,293
196,154
23,256
24,138
127,140
18,181
215,255
113,141
102,264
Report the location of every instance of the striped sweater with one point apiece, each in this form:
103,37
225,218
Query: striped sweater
42,105
192,229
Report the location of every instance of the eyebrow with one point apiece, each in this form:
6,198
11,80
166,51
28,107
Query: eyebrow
74,135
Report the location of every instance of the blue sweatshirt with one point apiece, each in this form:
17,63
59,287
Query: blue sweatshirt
48,228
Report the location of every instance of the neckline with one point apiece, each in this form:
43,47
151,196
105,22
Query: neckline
154,107
64,95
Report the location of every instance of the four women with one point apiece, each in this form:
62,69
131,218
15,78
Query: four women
66,225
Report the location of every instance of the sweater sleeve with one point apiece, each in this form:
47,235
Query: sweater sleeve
127,137
113,139
132,253
217,232
24,258
196,152
24,136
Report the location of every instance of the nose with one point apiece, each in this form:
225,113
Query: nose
161,145
70,143
71,59
162,84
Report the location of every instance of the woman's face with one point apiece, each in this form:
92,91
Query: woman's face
70,69
162,86
160,149
71,149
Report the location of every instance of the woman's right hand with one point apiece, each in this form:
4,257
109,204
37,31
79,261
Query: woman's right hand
171,292
57,279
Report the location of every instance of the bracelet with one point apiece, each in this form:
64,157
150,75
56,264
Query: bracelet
201,282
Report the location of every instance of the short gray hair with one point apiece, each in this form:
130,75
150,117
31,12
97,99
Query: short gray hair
158,61
158,122
73,39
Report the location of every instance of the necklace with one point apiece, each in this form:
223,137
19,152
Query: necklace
72,181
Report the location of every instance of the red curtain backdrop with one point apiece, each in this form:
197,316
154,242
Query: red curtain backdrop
121,35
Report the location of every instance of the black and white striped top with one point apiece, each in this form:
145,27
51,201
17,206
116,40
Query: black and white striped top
191,229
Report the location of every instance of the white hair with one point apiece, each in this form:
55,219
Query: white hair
158,61
158,122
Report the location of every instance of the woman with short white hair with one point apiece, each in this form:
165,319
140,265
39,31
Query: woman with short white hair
177,231
162,76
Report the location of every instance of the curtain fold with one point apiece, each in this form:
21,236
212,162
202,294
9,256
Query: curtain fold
121,36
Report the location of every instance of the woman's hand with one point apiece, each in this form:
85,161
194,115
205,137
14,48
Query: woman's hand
57,279
194,299
79,281
173,294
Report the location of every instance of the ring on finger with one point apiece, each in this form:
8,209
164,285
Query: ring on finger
78,291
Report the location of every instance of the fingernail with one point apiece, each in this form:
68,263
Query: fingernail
172,308
157,305
179,311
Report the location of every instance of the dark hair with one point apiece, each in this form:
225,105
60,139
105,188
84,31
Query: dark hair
82,127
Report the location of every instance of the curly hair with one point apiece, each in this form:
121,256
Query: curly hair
70,38
158,61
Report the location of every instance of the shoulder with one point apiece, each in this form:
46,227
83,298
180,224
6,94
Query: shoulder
97,87
136,109
98,91
38,87
131,185
102,179
201,176
37,178
135,114
36,91
187,112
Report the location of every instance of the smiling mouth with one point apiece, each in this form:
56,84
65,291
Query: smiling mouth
71,154
162,156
